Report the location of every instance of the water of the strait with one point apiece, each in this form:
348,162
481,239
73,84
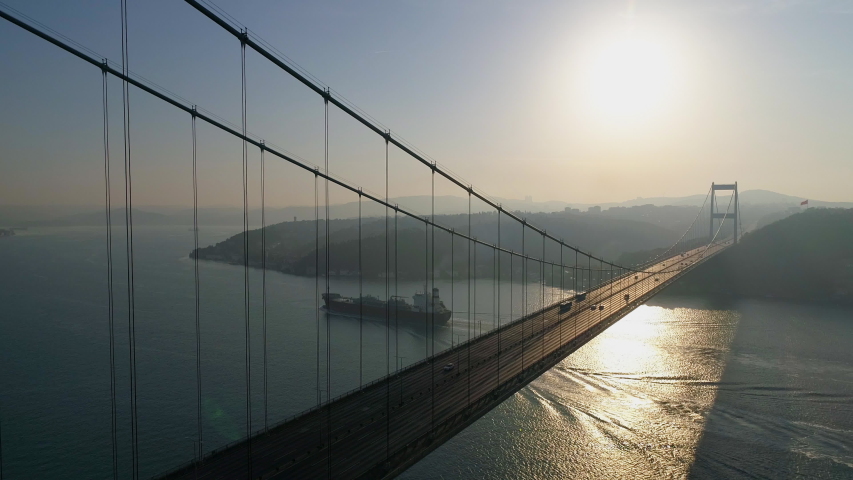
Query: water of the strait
681,388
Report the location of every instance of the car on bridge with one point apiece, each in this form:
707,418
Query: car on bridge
565,307
601,307
449,367
592,308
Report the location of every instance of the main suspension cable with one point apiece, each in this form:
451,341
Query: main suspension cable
284,156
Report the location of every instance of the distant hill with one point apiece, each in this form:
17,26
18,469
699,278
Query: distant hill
759,208
807,256
291,245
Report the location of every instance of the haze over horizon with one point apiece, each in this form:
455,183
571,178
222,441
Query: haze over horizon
567,101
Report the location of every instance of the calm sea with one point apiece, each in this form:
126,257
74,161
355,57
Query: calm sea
679,388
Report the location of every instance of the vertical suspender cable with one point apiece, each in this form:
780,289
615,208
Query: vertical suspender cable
551,284
246,256
452,286
468,339
499,296
110,304
317,277
197,292
328,286
360,303
387,307
396,294
511,290
542,272
494,288
523,291
477,322
426,286
264,284
128,214
432,301
317,293
611,284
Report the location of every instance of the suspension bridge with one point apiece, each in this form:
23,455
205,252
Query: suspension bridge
388,423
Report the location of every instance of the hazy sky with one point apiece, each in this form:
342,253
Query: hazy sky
581,101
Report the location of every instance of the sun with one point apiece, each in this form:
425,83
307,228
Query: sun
630,78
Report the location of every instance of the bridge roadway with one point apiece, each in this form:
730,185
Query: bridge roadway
380,430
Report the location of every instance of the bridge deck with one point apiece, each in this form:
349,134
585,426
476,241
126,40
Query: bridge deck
380,430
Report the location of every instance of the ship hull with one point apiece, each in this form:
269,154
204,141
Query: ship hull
353,309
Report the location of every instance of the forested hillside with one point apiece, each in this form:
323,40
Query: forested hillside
807,256
291,246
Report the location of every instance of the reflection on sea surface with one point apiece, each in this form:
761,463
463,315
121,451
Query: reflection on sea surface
683,389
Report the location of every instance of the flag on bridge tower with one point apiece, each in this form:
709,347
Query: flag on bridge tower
804,202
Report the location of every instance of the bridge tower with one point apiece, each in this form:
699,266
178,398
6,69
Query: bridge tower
733,216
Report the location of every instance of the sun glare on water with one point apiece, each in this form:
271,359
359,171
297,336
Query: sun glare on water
629,79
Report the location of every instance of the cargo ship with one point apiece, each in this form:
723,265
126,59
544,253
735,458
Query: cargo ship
426,307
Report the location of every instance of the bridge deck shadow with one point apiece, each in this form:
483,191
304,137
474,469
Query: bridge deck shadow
769,419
